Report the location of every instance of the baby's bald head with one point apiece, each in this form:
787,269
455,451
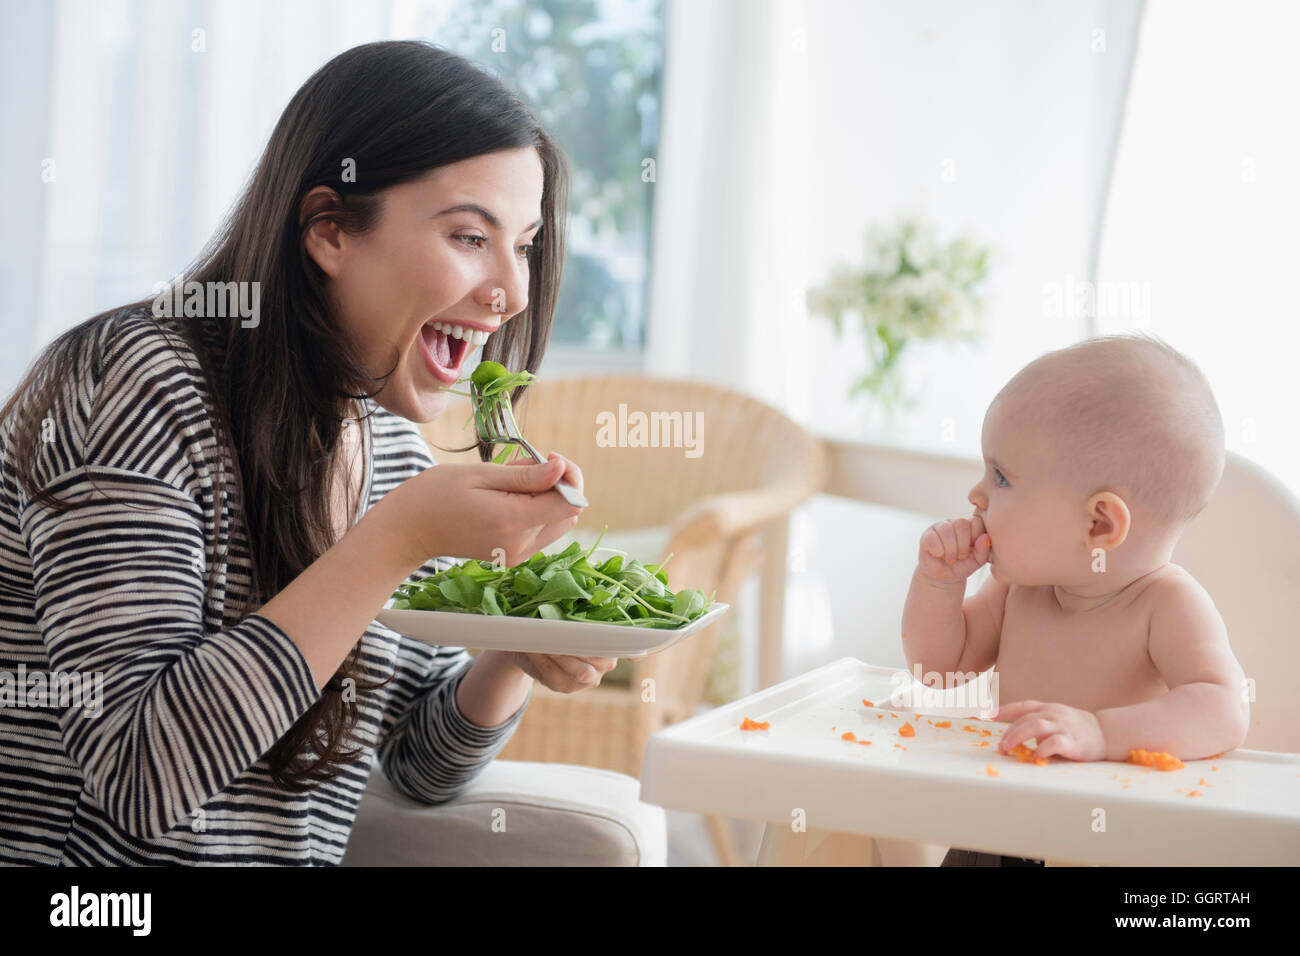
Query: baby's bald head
1128,414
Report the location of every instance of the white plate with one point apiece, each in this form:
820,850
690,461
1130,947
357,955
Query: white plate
539,636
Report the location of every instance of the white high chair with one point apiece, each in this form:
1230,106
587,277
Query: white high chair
1244,549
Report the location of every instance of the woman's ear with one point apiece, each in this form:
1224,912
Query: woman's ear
324,241
1111,520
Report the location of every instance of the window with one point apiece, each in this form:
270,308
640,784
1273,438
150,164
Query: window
591,71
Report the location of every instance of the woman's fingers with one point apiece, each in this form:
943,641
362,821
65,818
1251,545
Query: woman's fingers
565,673
522,477
572,674
572,473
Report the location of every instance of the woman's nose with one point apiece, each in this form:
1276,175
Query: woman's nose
509,287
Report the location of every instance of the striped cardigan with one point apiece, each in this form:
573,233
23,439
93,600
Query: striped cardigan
164,765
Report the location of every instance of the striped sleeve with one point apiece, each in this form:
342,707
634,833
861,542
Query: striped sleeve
119,581
434,751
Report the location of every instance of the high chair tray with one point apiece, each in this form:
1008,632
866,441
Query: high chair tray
1242,808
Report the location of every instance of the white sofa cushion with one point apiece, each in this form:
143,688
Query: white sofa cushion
515,813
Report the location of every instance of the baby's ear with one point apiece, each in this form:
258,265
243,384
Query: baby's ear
1111,520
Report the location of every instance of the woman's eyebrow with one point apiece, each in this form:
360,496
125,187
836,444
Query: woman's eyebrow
478,210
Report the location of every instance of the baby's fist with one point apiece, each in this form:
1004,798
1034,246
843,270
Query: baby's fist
953,550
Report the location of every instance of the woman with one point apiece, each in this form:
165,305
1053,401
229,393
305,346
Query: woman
202,514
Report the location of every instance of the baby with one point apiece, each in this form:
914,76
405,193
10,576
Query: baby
1096,458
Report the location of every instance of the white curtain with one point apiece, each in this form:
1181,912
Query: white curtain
730,214
1201,226
129,128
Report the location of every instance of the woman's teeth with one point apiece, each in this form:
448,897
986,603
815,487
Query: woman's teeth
472,336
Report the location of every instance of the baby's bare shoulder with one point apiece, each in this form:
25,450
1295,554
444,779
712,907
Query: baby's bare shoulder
1172,586
1182,611
1188,639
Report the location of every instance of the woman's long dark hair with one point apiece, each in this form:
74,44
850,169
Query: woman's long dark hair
284,387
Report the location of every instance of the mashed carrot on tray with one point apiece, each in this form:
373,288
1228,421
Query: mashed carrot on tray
1155,758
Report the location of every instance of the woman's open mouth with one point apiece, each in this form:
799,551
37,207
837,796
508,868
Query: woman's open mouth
444,352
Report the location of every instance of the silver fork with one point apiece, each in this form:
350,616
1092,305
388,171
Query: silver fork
500,428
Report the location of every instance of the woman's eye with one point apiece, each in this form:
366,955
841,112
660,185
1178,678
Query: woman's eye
475,242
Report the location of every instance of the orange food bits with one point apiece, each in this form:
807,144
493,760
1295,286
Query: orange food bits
984,743
1195,793
969,729
848,735
1155,758
754,725
867,703
944,723
880,716
906,731
991,772
986,733
865,742
1025,755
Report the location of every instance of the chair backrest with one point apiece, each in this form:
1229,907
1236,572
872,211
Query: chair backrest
648,447
1244,549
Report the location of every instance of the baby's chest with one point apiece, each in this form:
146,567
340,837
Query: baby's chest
1085,662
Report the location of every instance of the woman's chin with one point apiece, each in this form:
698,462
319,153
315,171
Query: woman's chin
420,404
431,405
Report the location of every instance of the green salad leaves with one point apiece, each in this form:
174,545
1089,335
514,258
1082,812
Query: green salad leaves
494,383
566,586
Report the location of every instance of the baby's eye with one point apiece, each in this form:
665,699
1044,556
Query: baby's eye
1001,478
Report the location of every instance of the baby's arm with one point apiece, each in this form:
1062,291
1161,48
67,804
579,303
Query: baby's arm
1205,711
943,630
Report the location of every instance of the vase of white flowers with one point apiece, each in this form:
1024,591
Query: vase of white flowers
911,287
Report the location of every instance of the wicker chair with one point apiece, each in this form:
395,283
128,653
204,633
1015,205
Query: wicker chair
754,466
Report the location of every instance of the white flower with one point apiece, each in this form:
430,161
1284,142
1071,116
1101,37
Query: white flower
919,247
884,258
